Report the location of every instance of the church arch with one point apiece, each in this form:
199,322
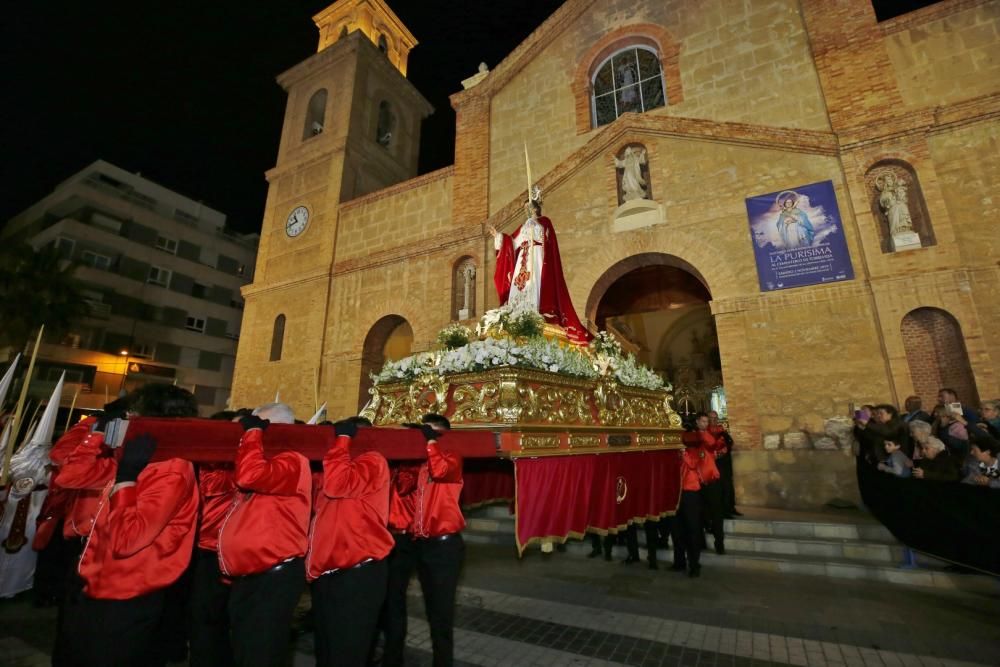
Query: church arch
893,187
651,38
315,115
936,354
657,305
389,339
463,288
278,337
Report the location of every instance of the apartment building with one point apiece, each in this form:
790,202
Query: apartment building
161,275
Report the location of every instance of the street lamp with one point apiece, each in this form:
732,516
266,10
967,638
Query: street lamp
121,389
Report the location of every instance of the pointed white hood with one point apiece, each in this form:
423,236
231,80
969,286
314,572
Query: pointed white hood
31,459
7,379
319,413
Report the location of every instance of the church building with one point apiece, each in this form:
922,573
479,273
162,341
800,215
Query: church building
787,207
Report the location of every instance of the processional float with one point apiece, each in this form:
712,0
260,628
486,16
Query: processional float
577,435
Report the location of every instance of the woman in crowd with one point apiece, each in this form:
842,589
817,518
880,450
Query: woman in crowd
935,463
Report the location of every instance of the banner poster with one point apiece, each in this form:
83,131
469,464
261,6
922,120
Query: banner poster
798,237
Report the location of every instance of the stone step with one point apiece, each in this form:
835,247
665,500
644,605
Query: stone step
866,532
835,549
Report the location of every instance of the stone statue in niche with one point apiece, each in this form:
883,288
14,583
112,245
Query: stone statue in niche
633,184
894,204
468,274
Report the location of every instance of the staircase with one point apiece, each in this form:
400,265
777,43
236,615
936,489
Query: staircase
839,545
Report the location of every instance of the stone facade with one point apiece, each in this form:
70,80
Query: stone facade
761,96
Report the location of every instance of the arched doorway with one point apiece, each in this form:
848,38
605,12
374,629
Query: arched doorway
389,339
657,306
936,355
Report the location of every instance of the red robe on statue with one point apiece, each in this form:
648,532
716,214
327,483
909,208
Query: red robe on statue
554,303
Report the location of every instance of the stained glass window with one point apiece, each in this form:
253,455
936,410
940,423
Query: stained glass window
630,80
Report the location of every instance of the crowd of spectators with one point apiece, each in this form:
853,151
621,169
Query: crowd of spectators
952,443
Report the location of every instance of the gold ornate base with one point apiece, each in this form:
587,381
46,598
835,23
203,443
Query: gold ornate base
536,412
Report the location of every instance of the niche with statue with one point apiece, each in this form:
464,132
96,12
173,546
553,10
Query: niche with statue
898,205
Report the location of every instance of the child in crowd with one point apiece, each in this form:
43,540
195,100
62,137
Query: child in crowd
896,462
983,467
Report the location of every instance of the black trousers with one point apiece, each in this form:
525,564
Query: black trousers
438,564
115,633
72,596
713,511
607,543
209,619
346,607
725,464
260,614
687,531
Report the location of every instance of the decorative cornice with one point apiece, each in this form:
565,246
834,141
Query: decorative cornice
411,184
429,246
256,290
931,120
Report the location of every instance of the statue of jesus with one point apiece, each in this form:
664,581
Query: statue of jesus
529,272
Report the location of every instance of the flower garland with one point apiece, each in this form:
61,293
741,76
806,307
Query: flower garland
498,349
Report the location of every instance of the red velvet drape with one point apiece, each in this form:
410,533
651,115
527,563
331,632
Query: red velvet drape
560,496
487,481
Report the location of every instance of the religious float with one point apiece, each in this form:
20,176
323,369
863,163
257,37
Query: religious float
578,436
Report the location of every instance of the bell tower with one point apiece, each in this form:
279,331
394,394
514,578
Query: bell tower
352,126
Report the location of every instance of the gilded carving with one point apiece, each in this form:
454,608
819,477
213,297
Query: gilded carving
519,396
577,441
648,440
476,404
539,442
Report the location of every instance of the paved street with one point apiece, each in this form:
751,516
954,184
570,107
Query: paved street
568,610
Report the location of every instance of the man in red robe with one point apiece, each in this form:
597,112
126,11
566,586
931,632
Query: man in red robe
529,272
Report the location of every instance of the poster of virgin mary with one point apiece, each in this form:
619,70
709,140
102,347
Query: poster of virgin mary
798,237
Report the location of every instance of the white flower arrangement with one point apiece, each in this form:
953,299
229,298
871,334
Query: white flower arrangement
454,335
511,337
520,321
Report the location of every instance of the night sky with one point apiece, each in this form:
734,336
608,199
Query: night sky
185,93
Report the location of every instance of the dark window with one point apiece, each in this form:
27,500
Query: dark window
315,114
277,338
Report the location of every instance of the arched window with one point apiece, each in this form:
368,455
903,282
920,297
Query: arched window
386,124
315,114
463,289
936,355
629,80
277,337
383,44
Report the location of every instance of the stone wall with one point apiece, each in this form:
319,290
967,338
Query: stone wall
940,56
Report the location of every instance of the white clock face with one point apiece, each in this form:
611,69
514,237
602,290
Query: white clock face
297,221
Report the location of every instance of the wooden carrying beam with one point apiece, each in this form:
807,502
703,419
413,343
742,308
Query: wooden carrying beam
205,440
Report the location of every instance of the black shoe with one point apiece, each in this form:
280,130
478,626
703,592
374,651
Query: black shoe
678,567
653,565
720,548
695,572
594,554
630,559
735,513
561,548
